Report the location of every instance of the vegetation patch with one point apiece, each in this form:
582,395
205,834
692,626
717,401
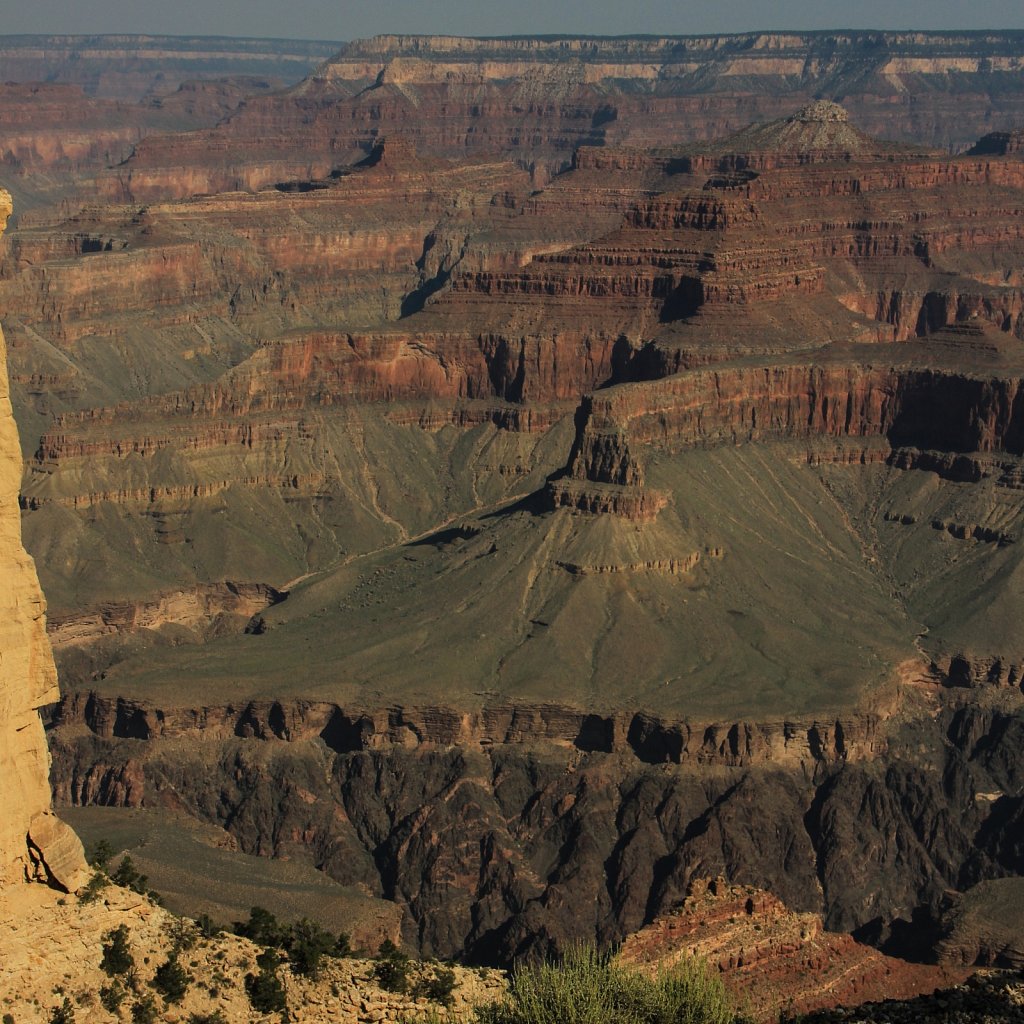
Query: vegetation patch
586,987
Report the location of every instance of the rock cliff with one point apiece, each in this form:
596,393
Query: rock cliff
520,829
34,843
537,100
133,67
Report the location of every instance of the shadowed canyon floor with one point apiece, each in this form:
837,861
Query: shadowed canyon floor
519,549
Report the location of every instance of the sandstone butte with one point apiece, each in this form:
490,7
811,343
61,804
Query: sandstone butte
720,479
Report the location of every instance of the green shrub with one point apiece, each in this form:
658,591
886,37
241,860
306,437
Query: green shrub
144,1011
100,855
127,875
216,1017
63,1014
307,944
266,994
117,957
182,934
8,1018
587,988
96,884
206,927
262,927
392,968
112,996
438,987
171,980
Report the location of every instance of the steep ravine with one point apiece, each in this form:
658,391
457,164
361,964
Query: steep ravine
512,831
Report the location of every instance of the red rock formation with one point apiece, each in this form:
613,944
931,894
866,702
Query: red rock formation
773,960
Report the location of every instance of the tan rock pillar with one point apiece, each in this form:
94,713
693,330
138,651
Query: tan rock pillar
34,843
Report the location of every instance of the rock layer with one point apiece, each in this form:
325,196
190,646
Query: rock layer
773,960
520,830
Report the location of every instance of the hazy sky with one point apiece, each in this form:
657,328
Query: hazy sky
346,19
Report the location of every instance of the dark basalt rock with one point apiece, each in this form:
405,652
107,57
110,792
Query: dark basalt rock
502,850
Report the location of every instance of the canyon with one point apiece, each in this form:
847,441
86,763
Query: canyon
498,475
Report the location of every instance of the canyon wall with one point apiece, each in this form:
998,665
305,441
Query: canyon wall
535,100
521,830
34,844
131,67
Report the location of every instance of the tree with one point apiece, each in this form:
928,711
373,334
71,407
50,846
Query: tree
307,944
112,996
266,993
63,1014
171,980
262,927
206,927
128,876
117,957
392,968
439,987
144,1011
100,855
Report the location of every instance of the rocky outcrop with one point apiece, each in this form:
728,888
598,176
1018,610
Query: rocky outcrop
34,844
53,949
772,959
520,829
207,608
649,738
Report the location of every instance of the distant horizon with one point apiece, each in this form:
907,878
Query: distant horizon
510,36
340,20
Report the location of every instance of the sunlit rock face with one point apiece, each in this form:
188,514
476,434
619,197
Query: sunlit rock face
34,844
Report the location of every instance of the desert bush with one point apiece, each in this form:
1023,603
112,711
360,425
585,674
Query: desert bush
587,988
207,928
438,986
91,890
127,875
144,1011
117,957
391,970
63,1014
182,935
266,994
307,944
99,856
112,996
171,980
262,927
